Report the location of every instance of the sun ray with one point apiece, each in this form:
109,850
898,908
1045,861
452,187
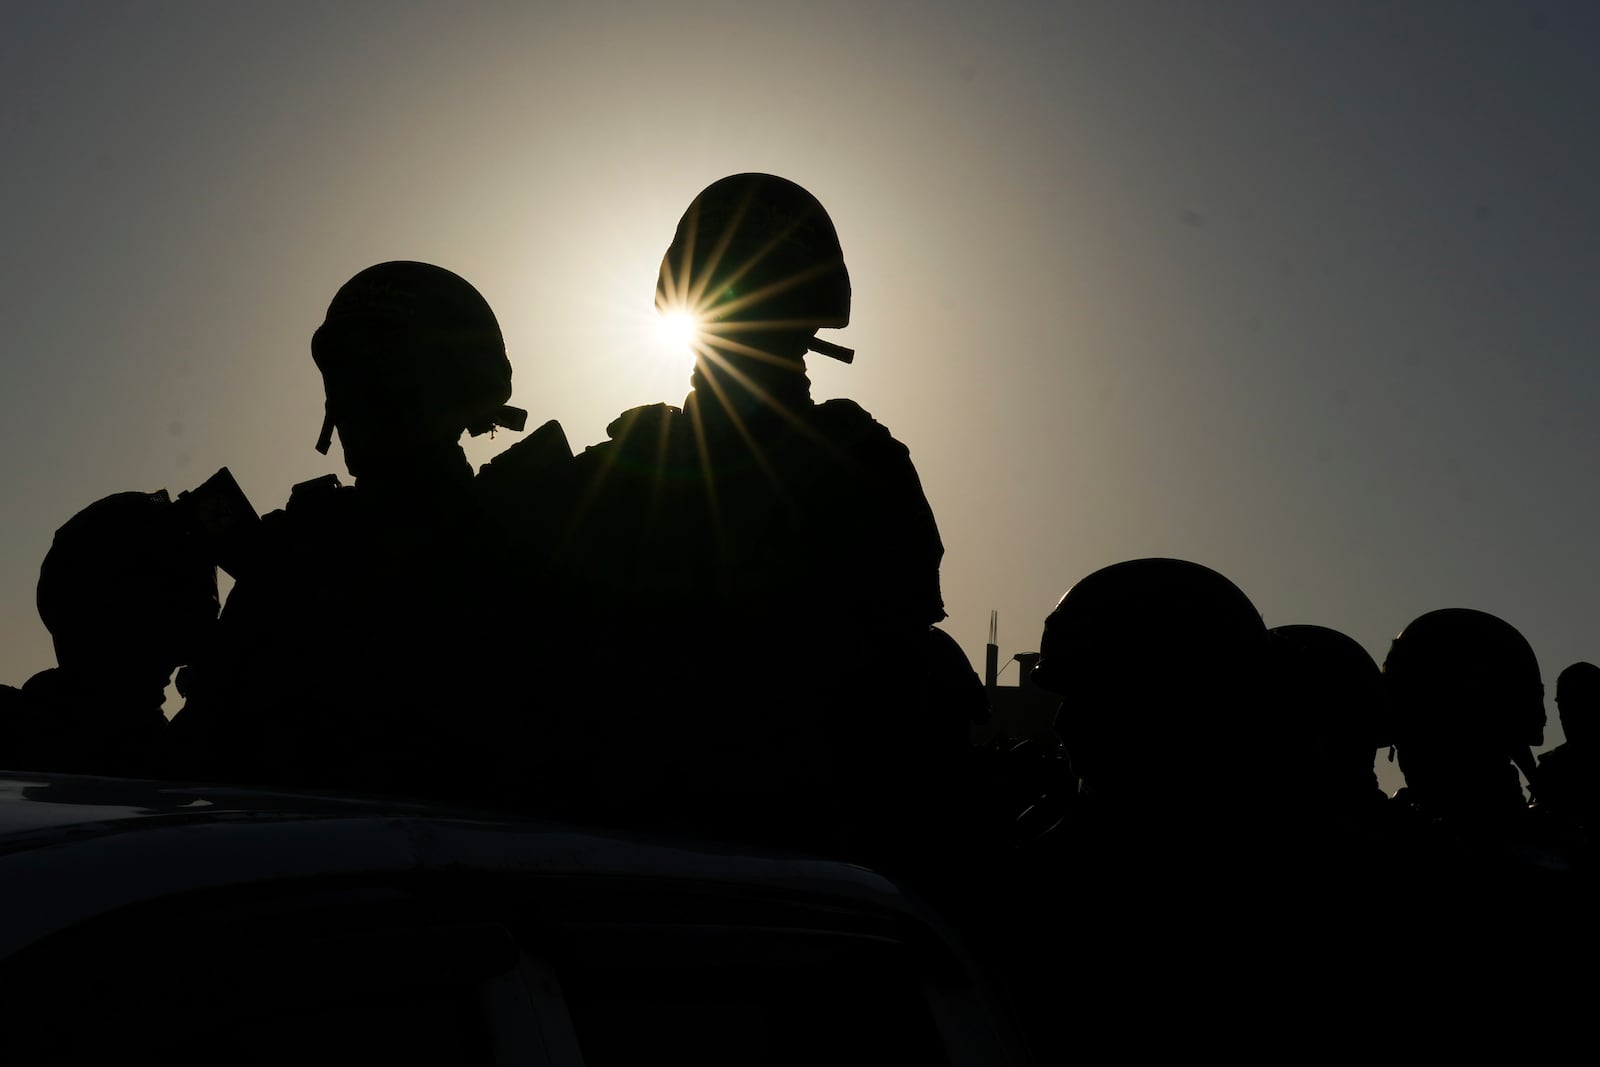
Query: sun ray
697,286
696,296
681,295
708,478
659,475
609,457
759,296
756,450
714,358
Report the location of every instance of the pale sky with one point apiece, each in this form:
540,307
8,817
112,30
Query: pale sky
1305,292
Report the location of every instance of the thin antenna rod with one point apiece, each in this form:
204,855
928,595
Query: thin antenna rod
991,652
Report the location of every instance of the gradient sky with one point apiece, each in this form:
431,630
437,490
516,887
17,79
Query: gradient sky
1304,292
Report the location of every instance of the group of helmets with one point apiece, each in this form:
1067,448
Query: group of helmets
414,344
414,348
1169,654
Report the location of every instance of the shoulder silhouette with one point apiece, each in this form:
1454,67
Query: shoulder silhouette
761,556
364,652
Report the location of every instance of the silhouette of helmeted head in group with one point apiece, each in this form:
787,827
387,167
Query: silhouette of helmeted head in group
411,355
129,594
1578,704
1468,701
1568,783
1334,717
757,267
1162,669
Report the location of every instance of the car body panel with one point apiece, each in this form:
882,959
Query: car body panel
147,868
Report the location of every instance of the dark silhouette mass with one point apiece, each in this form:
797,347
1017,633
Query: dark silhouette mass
1468,705
1167,866
359,648
1163,667
1568,778
1334,715
1481,870
128,592
766,567
721,622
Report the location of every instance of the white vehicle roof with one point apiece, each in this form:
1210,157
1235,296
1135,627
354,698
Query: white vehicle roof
73,846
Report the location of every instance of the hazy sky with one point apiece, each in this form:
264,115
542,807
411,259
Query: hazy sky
1304,292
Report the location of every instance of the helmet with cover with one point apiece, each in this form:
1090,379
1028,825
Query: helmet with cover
1465,677
1334,713
755,252
1161,664
411,350
1335,682
127,583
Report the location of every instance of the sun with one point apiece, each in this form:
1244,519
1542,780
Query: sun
672,338
679,328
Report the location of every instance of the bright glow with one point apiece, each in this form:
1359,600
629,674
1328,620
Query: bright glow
679,329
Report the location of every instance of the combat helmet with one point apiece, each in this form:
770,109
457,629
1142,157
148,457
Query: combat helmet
1333,716
757,252
1149,610
411,341
1465,676
1160,662
126,579
1338,684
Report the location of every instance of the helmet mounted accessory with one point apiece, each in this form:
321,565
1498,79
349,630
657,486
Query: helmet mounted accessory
413,332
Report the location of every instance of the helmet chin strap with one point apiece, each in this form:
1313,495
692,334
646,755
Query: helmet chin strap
828,348
505,417
325,438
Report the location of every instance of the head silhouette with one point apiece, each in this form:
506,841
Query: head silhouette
1161,665
1578,703
756,263
1334,710
126,592
411,355
1467,695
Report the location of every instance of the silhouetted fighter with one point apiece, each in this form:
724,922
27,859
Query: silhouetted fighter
1469,705
1569,774
1164,668
367,648
1167,859
1489,881
1330,715
765,562
1334,717
128,592
1178,852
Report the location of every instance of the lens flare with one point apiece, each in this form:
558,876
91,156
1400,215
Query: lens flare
679,329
